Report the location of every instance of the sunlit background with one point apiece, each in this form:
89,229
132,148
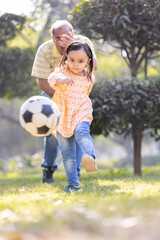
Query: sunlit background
16,7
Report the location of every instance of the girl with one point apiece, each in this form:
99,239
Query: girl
72,83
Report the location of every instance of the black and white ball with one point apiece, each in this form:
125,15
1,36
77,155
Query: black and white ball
39,116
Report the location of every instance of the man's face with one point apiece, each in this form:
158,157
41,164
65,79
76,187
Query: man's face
62,37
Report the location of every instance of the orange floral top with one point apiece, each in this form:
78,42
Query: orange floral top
73,101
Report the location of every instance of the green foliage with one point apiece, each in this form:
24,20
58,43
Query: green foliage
120,20
133,25
16,63
26,39
125,107
15,72
10,26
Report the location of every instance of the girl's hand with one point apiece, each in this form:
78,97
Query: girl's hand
65,80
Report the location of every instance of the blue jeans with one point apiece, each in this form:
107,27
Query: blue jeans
51,151
68,150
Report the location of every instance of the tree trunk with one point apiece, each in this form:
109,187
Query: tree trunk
137,138
145,64
44,31
134,71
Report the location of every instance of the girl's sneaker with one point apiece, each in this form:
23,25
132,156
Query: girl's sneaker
73,188
88,163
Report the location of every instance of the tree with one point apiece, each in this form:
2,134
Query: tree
15,73
51,10
127,107
16,63
132,26
10,26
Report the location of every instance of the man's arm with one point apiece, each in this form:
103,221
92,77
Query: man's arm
44,86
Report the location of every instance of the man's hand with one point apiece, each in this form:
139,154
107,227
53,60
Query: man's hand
66,40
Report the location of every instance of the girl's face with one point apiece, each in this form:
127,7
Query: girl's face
77,60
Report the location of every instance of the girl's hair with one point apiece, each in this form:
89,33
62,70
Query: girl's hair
77,46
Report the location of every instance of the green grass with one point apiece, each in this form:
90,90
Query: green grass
114,204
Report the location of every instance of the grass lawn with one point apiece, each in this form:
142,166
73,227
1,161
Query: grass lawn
114,204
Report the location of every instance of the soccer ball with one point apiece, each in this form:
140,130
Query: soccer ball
39,116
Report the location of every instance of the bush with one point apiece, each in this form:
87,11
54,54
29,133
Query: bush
15,72
127,107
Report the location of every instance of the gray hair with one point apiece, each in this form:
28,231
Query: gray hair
60,23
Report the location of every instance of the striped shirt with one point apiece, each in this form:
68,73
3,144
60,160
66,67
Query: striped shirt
48,58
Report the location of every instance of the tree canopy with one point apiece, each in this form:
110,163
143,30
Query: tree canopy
10,26
16,63
127,107
132,26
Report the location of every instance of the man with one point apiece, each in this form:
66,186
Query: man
46,61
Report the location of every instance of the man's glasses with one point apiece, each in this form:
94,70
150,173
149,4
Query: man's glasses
57,39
